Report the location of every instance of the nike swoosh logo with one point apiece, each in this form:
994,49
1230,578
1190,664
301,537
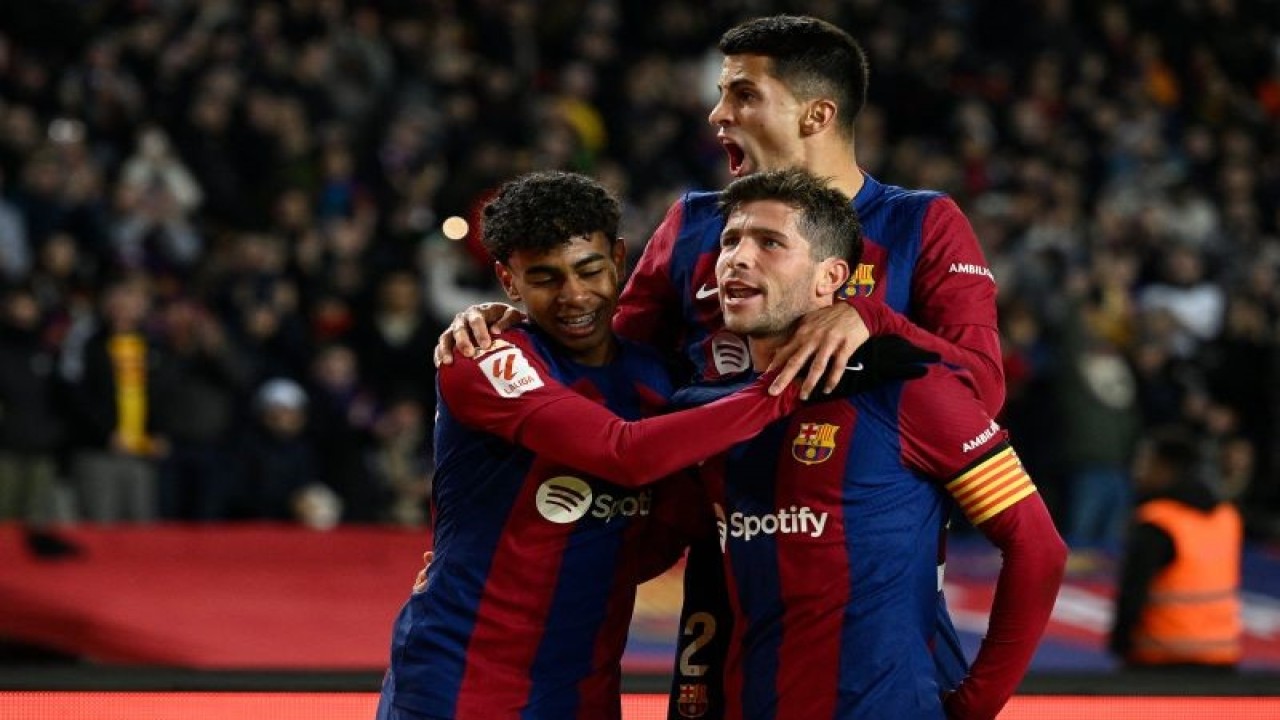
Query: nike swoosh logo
854,368
705,292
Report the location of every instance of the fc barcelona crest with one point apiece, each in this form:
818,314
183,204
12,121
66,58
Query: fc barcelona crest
861,284
692,702
814,443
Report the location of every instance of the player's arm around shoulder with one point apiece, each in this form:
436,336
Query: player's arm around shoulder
497,388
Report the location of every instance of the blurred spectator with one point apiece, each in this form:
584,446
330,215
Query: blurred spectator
15,248
61,278
1031,411
279,464
1179,589
207,144
1242,367
396,340
454,280
260,308
205,378
38,196
154,200
1097,395
341,194
401,461
63,188
341,413
118,439
32,429
1194,304
318,146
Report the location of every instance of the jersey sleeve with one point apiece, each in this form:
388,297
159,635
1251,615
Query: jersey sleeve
952,283
508,392
649,308
953,302
953,440
1033,560
948,435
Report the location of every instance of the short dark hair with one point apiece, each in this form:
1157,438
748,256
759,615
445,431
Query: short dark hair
542,210
827,218
811,57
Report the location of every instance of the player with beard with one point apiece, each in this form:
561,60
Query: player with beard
828,518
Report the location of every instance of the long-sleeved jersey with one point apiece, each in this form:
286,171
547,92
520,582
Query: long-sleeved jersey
544,525
828,523
920,259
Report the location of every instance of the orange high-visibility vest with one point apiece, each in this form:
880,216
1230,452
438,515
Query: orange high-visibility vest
1193,612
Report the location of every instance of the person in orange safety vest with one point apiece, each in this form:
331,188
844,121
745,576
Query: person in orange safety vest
1179,596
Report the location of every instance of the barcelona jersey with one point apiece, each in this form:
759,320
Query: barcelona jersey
920,258
547,515
531,589
828,524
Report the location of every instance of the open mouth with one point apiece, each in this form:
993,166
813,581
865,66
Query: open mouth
736,293
737,157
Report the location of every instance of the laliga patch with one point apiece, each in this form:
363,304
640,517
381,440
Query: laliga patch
510,373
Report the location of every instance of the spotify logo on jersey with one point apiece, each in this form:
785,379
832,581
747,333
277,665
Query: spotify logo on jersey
566,499
563,499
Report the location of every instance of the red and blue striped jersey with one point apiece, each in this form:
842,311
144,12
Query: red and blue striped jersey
828,526
532,585
537,556
920,260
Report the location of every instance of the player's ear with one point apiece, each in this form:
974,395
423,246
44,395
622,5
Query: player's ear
833,273
619,252
820,114
508,281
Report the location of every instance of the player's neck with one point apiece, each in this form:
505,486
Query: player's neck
597,356
763,349
837,159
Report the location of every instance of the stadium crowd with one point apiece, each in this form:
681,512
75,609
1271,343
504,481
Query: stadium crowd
242,202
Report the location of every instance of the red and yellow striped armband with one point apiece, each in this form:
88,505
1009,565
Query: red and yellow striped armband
994,484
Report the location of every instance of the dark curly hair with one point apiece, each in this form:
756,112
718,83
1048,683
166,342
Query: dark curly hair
542,210
812,57
827,218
